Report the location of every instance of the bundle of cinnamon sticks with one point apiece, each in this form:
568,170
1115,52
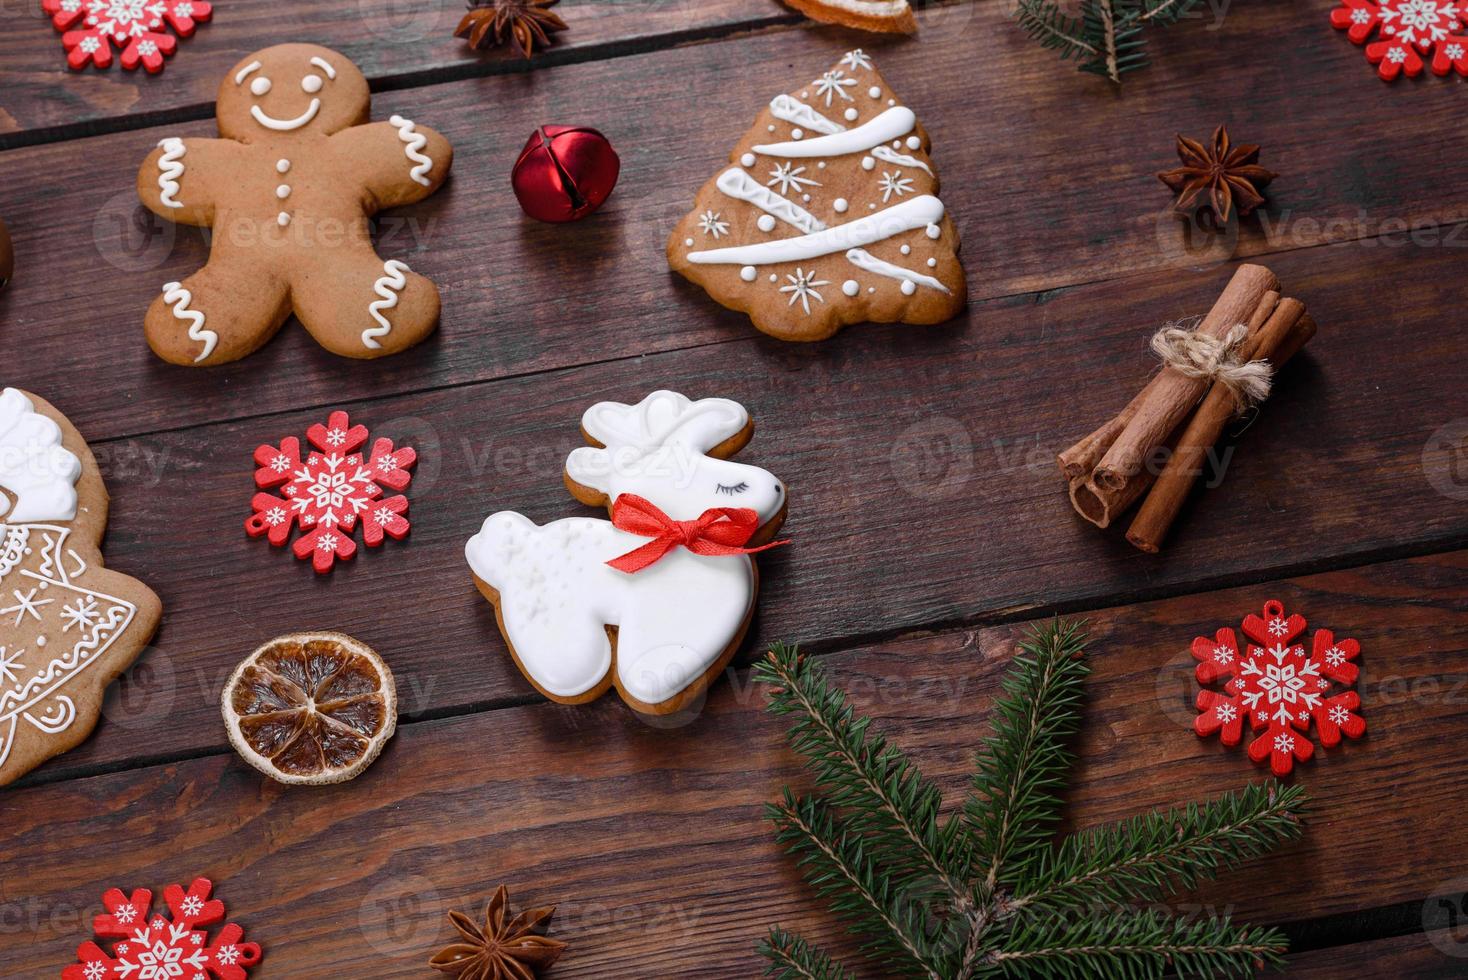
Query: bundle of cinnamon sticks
1161,440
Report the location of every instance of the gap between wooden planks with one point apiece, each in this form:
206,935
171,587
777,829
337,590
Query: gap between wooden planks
563,804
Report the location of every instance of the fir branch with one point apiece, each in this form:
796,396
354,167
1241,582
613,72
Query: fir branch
1013,808
1044,21
1101,19
792,958
1165,11
891,803
840,868
1152,854
1135,945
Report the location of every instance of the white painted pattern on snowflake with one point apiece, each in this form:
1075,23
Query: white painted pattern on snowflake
802,288
1278,626
713,223
1226,712
894,183
834,83
192,905
1335,656
1223,654
1421,22
787,176
1284,742
1339,714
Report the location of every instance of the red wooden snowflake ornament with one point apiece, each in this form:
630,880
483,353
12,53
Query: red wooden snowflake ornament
1278,687
1406,31
157,947
90,28
328,494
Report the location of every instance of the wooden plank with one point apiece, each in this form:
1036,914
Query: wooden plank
948,477
1420,956
652,839
394,43
522,297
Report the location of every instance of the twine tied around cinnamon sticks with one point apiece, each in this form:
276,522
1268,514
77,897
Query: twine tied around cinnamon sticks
1182,412
1196,355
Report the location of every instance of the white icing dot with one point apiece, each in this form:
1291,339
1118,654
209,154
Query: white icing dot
774,278
934,232
851,287
283,191
907,250
766,223
891,101
772,128
852,115
748,159
875,91
260,86
932,263
821,165
40,641
868,163
897,144
281,166
908,287
913,143
805,198
871,207
871,289
283,219
311,84
688,242
797,134
749,273
841,205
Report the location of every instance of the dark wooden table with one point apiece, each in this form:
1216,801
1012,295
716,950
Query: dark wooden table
930,524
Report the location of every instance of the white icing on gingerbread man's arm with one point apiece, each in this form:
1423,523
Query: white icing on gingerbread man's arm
180,179
403,161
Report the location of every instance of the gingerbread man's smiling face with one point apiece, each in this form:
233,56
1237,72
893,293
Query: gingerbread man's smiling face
290,89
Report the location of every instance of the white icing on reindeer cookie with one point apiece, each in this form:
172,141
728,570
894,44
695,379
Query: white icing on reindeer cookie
35,468
413,144
676,618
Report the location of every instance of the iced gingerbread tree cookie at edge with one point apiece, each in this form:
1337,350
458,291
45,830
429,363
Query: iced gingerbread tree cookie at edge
827,215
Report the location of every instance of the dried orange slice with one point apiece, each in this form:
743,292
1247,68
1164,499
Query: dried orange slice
311,708
884,16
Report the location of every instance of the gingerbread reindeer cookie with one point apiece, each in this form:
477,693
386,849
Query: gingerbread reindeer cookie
288,190
68,626
656,600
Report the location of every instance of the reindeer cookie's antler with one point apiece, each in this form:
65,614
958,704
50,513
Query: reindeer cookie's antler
666,418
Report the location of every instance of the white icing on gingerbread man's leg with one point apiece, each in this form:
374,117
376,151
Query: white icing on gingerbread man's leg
221,313
363,306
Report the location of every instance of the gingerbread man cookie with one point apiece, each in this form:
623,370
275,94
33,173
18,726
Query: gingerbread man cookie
288,190
68,626
656,600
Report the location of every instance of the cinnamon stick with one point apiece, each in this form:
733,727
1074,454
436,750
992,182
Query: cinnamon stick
1099,504
1288,330
1175,394
1080,460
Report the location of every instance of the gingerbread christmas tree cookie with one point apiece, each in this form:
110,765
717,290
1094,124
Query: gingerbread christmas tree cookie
288,191
828,215
68,626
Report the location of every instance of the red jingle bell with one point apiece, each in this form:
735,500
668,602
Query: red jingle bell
565,173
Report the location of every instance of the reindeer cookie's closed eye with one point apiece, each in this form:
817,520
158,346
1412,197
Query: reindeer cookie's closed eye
655,601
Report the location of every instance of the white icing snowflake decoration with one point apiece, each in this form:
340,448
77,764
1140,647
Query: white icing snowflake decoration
803,287
712,223
834,83
787,176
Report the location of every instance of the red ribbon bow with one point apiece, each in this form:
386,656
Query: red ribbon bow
720,531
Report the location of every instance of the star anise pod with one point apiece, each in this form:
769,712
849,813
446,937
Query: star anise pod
530,22
1228,174
500,950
